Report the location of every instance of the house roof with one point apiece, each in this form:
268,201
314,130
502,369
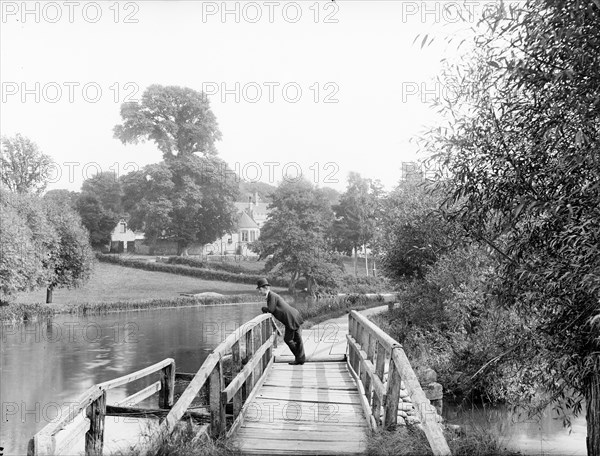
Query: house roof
245,221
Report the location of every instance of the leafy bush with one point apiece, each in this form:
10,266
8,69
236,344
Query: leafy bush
450,322
361,285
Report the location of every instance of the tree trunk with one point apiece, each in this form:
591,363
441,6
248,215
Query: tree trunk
182,249
310,283
49,295
292,286
592,416
355,261
366,260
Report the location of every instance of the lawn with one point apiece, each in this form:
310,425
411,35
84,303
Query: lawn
111,282
252,266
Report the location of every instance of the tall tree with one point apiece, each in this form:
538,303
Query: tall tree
22,255
296,235
178,119
42,245
107,188
100,206
188,200
523,158
357,216
71,262
23,167
99,222
413,233
62,196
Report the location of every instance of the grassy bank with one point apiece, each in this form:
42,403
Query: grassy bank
411,441
112,283
19,312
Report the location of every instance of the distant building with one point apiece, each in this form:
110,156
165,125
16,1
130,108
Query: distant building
122,239
251,216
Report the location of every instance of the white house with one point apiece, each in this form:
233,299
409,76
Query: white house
251,217
122,239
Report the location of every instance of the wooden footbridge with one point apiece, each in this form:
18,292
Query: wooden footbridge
356,381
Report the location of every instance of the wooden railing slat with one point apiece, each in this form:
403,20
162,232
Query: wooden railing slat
367,366
369,350
387,341
140,395
260,333
76,428
189,394
239,379
135,375
235,370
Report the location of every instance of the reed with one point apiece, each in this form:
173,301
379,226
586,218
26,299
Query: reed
15,313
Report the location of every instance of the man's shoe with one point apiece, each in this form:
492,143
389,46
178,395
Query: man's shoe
296,363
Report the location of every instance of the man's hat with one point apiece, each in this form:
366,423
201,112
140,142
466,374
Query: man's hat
262,283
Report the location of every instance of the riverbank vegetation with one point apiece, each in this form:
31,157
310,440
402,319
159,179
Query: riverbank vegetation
411,441
188,439
500,277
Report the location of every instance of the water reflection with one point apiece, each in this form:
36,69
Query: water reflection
515,431
46,366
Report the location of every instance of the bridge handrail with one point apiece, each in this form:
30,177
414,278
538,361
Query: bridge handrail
260,338
370,350
93,401
259,341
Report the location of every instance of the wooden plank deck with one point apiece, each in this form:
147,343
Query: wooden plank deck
310,409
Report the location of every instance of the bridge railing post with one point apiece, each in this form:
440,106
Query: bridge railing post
235,369
258,331
393,395
167,386
216,403
379,361
94,437
249,384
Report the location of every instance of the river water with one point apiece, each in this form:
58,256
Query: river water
47,366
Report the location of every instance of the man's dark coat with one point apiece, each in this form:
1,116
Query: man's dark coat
283,312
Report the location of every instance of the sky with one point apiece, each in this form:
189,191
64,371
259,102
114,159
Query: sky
311,88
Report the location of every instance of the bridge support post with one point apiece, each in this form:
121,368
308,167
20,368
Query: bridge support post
94,437
236,368
216,403
393,394
167,386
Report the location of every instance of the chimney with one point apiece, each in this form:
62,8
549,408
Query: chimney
255,197
249,203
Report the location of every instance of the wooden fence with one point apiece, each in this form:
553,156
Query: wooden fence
370,352
88,415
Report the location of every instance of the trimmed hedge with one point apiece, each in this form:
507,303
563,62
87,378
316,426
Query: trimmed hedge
195,263
201,273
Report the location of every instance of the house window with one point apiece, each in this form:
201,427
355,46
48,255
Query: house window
244,236
123,227
252,236
230,241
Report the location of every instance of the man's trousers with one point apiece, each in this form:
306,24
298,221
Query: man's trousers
293,339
